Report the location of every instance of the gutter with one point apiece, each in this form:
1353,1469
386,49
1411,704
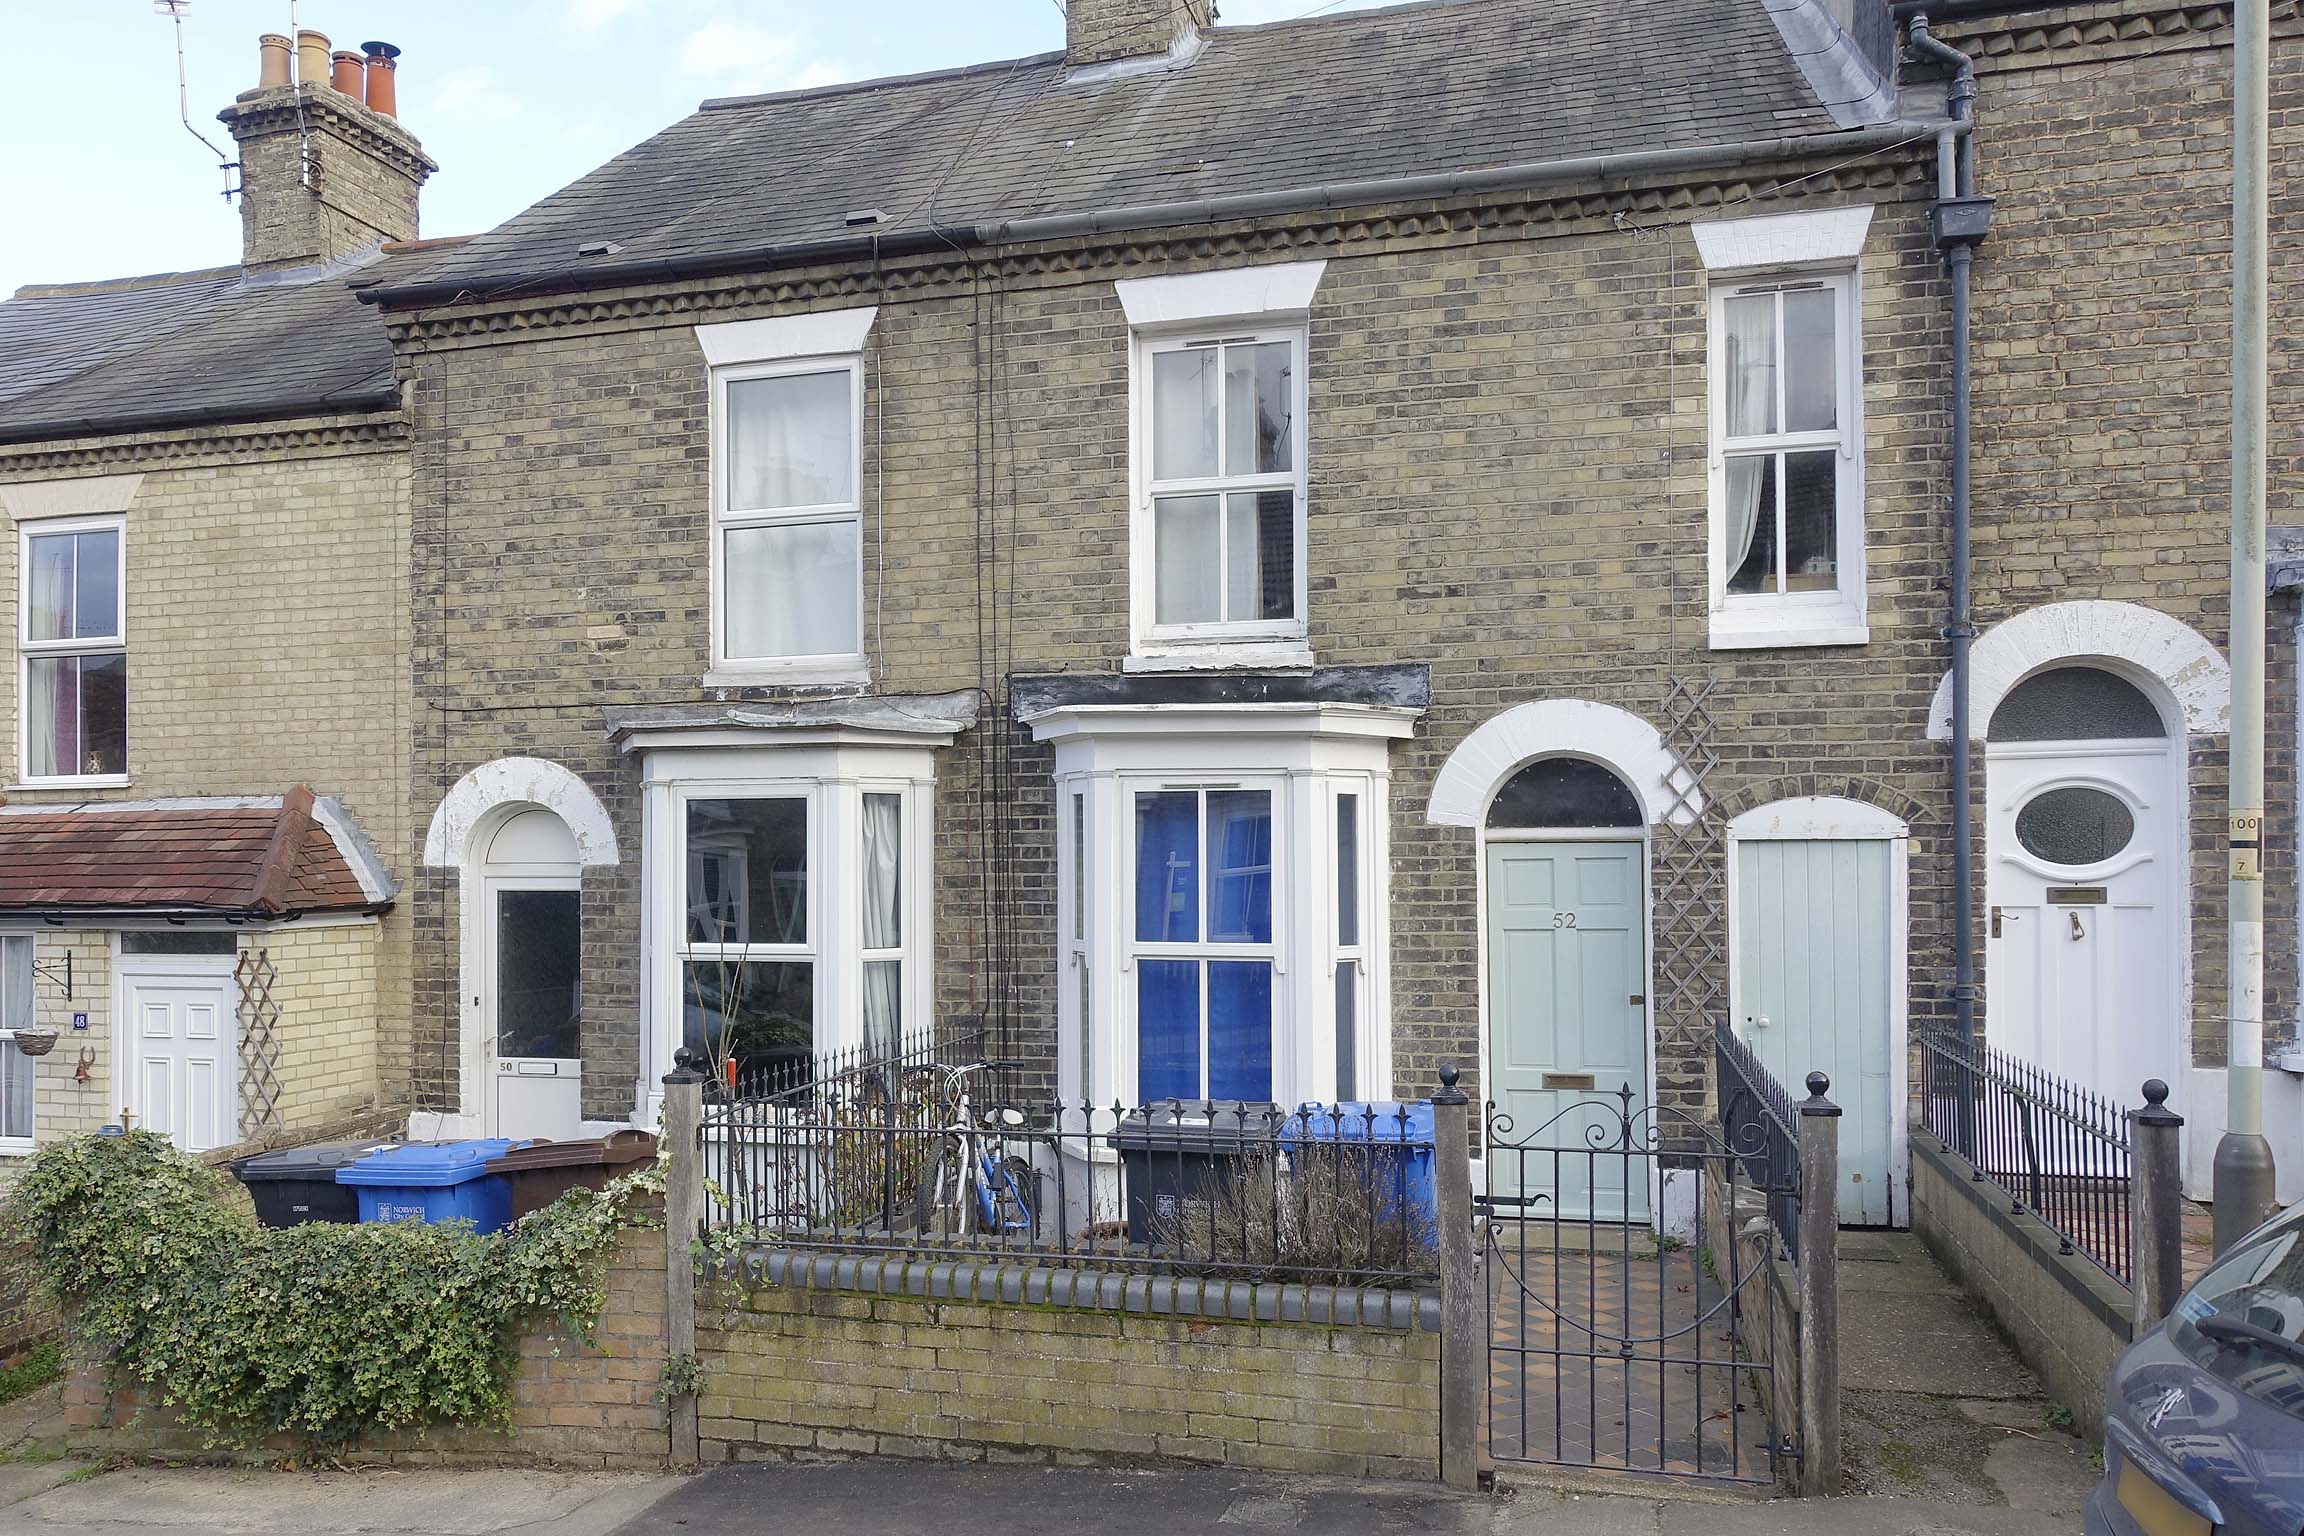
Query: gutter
1903,11
1207,210
193,416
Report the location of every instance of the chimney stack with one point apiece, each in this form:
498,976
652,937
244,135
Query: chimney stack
326,168
1102,31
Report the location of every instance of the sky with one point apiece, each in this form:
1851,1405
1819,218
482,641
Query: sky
514,98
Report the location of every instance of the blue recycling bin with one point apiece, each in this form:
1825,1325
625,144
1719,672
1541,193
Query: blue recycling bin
1397,1139
448,1182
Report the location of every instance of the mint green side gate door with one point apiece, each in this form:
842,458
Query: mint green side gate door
1567,1026
1814,993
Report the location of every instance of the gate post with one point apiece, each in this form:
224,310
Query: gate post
2156,1188
1463,1310
683,1217
1819,1291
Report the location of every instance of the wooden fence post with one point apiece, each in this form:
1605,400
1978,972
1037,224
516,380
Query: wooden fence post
1463,1310
2156,1192
1819,1291
683,1219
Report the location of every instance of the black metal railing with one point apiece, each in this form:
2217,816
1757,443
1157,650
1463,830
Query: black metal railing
2055,1149
1760,1126
838,1076
888,1164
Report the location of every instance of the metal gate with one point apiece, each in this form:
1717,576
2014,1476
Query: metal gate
1620,1346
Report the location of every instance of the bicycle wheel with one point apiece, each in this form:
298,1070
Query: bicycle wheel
1014,1189
941,1201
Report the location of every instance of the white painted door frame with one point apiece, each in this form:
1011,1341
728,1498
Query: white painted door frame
183,970
494,883
1825,818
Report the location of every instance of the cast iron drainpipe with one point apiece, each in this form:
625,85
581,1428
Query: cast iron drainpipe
1959,220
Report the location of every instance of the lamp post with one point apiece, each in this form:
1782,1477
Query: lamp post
2243,1187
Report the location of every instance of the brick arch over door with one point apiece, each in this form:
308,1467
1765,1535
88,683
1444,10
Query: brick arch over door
1804,786
510,781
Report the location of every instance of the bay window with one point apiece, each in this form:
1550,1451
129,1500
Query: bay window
787,878
73,645
1222,898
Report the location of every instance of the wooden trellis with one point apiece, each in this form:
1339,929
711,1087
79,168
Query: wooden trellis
1691,893
259,1019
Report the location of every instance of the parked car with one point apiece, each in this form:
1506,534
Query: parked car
2204,1416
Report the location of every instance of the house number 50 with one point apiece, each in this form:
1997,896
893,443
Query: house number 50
1563,919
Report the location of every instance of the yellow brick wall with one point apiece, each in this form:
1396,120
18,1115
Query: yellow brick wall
267,628
327,991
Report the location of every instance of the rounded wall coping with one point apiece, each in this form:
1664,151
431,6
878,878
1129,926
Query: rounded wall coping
2192,675
519,781
1614,738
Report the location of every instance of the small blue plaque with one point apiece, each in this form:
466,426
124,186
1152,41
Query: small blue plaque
79,1021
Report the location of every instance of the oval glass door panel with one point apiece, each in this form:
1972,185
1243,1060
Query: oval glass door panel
2075,825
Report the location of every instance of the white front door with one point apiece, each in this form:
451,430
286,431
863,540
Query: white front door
531,1009
2085,841
179,1059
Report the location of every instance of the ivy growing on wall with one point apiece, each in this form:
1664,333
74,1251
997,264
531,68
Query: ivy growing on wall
324,1330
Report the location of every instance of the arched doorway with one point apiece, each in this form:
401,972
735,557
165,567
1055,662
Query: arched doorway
2084,838
1564,865
524,944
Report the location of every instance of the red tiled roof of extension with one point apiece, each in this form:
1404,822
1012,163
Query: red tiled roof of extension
254,859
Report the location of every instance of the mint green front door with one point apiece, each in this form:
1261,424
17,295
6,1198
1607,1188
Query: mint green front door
1567,1026
1815,992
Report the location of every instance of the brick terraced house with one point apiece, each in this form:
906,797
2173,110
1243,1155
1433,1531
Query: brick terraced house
204,480
1258,561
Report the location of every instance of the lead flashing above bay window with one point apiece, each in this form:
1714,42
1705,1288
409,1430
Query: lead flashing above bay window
825,333
1277,292
929,718
1782,239
1398,685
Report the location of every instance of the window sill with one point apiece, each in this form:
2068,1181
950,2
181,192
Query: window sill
102,781
1787,629
18,1146
808,674
1209,658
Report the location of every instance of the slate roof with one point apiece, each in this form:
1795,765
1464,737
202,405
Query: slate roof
1436,87
261,859
180,348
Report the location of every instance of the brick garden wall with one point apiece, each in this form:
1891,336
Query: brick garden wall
797,1371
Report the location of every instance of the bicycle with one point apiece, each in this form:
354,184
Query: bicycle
971,1176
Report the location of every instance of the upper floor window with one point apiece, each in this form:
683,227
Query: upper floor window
1217,537
73,643
787,553
1224,493
790,526
1786,429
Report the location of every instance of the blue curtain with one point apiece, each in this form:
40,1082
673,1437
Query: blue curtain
1167,1029
1167,867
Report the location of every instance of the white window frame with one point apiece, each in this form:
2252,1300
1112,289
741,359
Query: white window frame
832,773
1743,620
848,666
18,1146
27,648
1262,641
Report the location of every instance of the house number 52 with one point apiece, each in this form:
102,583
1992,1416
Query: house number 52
1563,919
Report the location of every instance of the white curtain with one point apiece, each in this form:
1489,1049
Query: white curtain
790,442
791,589
1745,477
883,922
883,834
1750,324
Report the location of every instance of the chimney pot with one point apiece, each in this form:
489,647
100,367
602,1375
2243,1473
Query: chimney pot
273,54
382,64
344,72
312,58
